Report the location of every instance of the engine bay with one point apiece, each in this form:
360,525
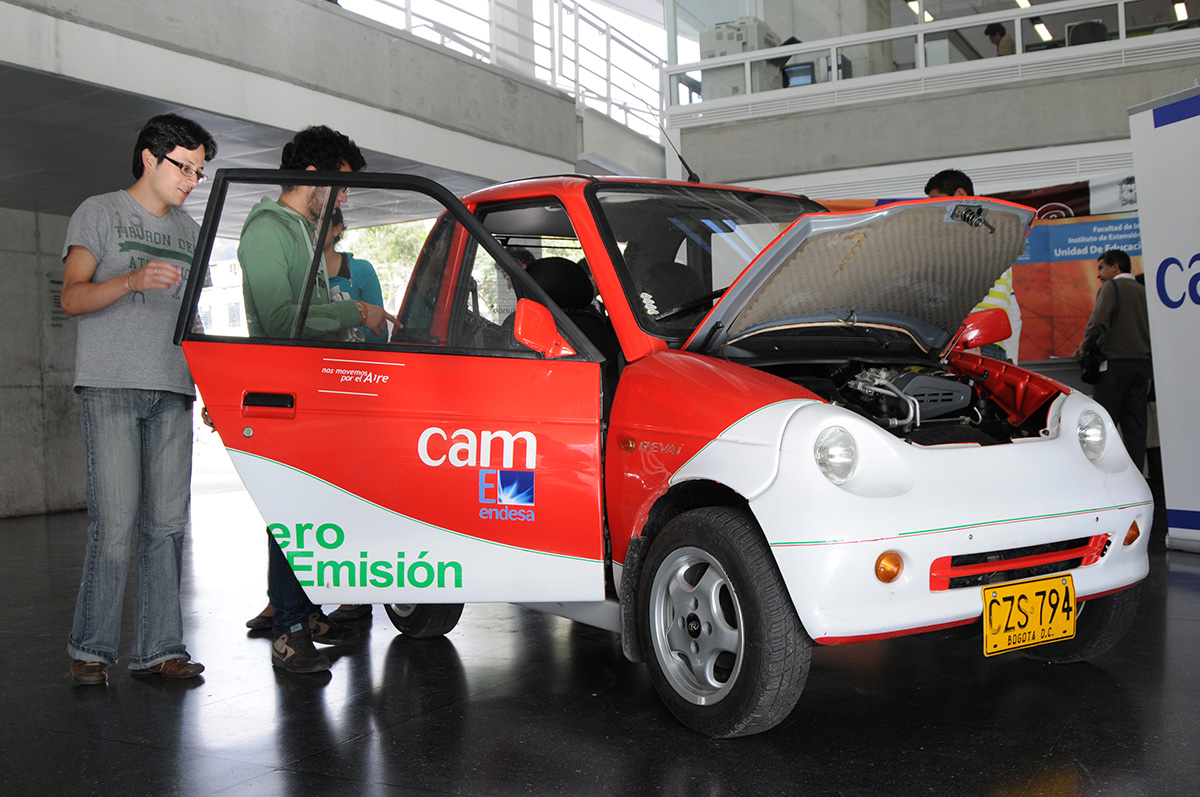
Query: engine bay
922,403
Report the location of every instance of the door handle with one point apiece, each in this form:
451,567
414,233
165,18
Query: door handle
268,405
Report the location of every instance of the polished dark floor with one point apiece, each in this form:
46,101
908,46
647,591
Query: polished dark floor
513,702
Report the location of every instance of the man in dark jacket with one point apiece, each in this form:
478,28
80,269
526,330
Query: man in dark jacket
1120,323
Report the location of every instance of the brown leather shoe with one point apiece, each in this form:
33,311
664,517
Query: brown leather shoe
172,668
89,672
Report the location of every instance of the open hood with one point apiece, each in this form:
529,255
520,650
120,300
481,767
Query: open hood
915,266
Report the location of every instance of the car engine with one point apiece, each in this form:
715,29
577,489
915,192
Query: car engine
924,404
903,399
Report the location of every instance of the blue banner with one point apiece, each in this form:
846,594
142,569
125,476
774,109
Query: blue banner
1064,240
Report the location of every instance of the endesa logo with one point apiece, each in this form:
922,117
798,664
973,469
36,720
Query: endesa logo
1173,283
505,493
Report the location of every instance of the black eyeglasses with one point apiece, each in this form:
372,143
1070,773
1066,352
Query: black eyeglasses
188,171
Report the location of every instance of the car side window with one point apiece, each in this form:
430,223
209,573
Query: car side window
482,317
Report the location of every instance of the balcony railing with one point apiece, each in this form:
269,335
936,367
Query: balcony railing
1051,39
559,42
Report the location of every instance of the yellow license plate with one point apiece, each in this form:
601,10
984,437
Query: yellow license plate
1021,614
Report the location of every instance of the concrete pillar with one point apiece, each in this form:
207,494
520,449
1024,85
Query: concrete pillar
826,20
42,466
831,19
512,37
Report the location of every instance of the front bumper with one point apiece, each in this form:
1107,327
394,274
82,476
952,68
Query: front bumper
943,510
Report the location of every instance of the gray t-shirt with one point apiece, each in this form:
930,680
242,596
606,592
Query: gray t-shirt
128,344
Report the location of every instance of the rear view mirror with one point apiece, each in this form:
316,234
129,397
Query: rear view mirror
984,327
534,327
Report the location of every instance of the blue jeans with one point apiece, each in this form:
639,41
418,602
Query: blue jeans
289,599
139,472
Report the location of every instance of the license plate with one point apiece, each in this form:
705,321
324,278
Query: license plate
1021,614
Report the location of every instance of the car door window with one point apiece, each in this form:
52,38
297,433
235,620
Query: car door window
270,279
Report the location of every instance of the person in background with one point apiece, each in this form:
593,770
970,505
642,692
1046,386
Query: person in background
952,183
1120,324
275,250
521,255
997,35
126,256
355,279
277,243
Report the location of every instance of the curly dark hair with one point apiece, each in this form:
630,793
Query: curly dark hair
165,132
948,181
323,148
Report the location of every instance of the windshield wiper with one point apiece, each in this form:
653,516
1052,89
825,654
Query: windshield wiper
694,304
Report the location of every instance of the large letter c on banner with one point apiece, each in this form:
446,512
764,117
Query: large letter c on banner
1161,282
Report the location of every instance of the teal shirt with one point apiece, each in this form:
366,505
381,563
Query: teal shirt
362,286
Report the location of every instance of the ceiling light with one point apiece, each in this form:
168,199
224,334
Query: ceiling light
1181,12
916,9
1043,31
1022,3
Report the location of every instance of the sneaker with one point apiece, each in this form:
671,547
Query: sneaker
327,632
293,651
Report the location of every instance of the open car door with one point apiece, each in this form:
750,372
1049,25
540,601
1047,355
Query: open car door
450,464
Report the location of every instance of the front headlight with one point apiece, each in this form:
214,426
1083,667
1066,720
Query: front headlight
836,454
1092,436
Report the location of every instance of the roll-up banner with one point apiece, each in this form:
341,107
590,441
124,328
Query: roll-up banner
1166,160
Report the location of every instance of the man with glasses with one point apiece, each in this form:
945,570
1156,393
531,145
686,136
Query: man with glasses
126,256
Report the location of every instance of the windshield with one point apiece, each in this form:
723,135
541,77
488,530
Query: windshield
681,246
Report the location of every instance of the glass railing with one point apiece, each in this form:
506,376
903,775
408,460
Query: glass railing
926,43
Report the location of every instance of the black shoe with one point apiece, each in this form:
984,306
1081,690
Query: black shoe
260,622
354,611
327,632
294,652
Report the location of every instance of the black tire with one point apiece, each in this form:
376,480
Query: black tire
1100,623
725,649
424,620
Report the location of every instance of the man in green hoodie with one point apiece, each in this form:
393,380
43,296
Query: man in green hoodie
277,246
275,251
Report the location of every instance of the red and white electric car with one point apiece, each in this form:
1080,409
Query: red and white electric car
720,422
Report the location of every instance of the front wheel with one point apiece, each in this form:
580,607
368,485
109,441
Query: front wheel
725,649
424,620
1100,623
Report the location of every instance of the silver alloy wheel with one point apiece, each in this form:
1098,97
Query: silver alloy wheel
403,609
696,626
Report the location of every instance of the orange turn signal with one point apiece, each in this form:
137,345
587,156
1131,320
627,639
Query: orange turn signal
1132,535
889,566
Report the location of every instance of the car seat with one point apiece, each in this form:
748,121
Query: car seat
568,286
